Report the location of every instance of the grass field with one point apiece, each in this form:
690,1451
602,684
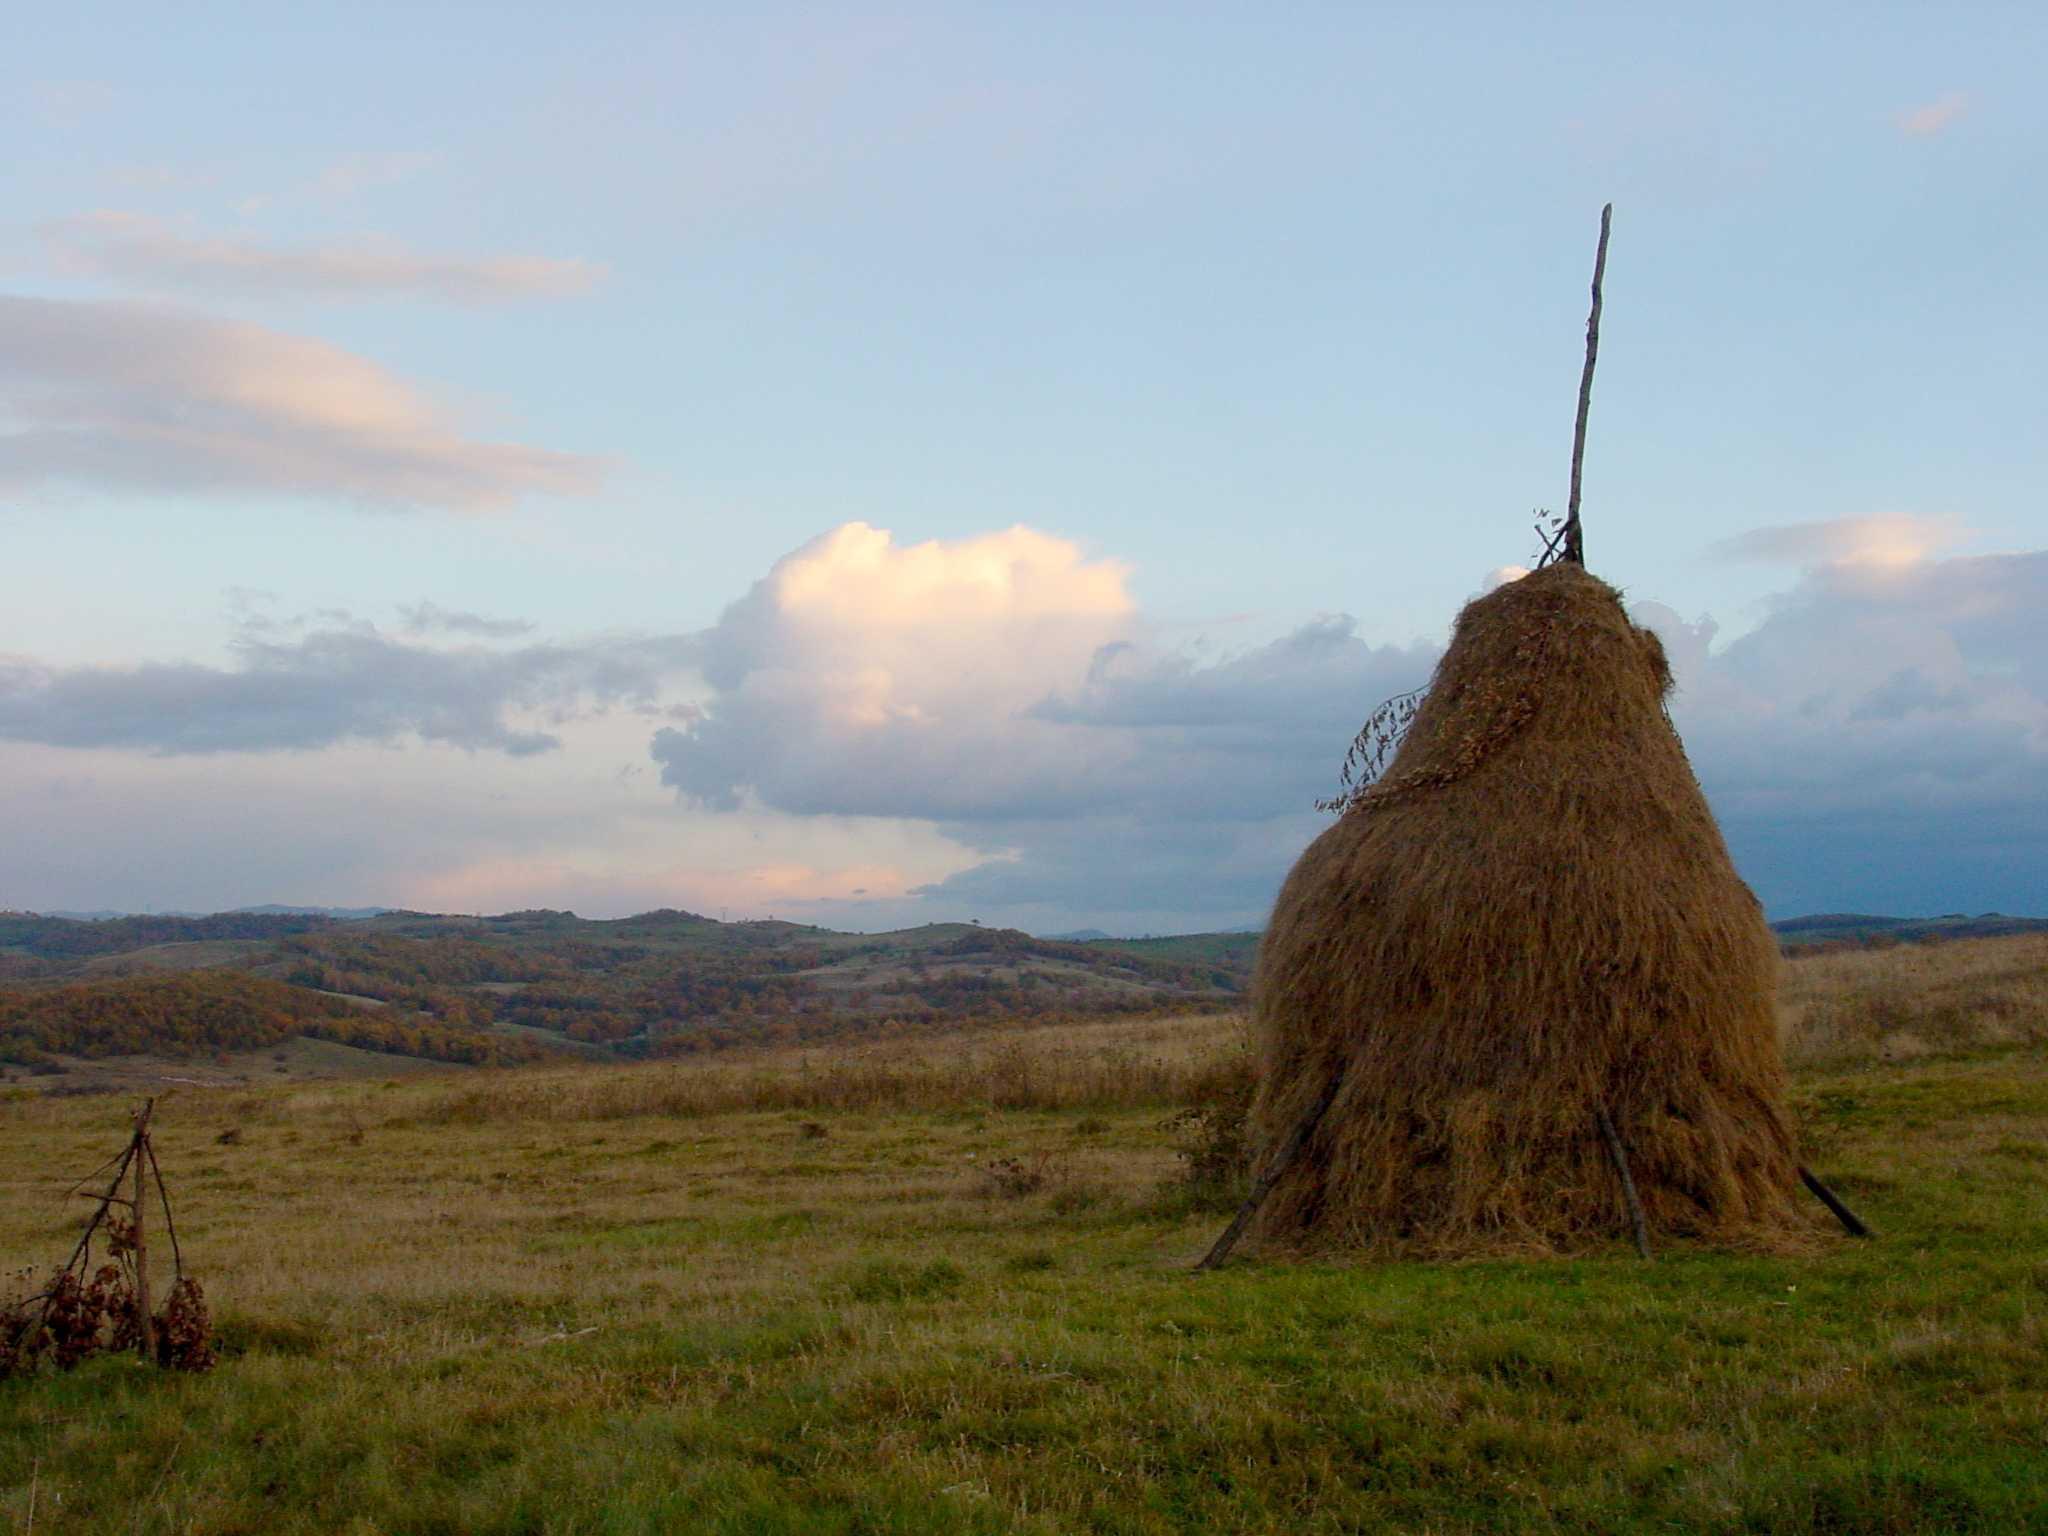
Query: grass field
943,1287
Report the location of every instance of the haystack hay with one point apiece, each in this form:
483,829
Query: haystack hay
1529,918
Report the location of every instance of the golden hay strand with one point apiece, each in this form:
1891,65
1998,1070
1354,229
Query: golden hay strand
1532,915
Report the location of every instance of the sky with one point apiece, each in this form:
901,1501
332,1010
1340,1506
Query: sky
878,466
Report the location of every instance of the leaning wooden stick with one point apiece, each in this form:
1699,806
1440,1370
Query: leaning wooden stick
1850,1221
1283,1159
145,1323
1574,545
1628,1181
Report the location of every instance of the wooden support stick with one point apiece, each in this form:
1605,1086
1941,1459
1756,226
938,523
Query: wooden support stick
1574,545
1850,1221
1283,1159
163,1194
1628,1180
145,1321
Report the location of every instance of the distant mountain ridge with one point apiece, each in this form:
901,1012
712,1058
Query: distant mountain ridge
1856,927
267,909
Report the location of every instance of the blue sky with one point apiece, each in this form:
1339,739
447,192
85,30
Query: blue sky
615,336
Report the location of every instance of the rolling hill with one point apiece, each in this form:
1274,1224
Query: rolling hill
524,985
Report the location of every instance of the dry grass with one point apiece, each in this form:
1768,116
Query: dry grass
1911,1000
1118,1063
605,1300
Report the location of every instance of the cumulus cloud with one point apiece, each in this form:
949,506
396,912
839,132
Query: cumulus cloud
1103,774
136,397
135,248
1882,738
1924,122
860,677
1005,688
345,684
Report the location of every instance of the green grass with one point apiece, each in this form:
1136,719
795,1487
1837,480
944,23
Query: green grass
725,1323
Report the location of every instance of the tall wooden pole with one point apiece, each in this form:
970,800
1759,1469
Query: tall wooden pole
1574,545
145,1321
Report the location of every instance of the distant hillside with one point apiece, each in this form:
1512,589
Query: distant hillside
668,982
658,983
1857,927
203,1013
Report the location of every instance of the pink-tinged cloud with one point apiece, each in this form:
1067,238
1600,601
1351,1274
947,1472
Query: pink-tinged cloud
134,248
1936,116
134,397
884,679
1883,541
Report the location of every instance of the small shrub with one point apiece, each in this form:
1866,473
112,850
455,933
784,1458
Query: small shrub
1215,1156
1090,1126
812,1130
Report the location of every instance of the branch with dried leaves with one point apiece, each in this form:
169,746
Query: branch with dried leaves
1373,748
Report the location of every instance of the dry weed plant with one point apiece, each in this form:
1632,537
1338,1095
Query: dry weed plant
1012,1178
82,1311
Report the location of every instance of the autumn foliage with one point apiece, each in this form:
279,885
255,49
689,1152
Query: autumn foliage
201,1012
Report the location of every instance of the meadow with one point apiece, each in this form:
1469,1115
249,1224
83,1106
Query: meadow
943,1286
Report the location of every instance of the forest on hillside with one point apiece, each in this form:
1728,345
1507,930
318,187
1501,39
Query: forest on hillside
508,987
205,1013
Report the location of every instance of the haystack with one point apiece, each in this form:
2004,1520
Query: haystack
1529,919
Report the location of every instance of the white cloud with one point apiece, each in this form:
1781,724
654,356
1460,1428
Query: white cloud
137,397
866,678
1924,122
1005,690
135,248
1886,540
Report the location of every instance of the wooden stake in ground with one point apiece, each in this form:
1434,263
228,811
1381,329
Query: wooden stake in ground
1851,1222
1574,548
1616,1151
1290,1149
138,1153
